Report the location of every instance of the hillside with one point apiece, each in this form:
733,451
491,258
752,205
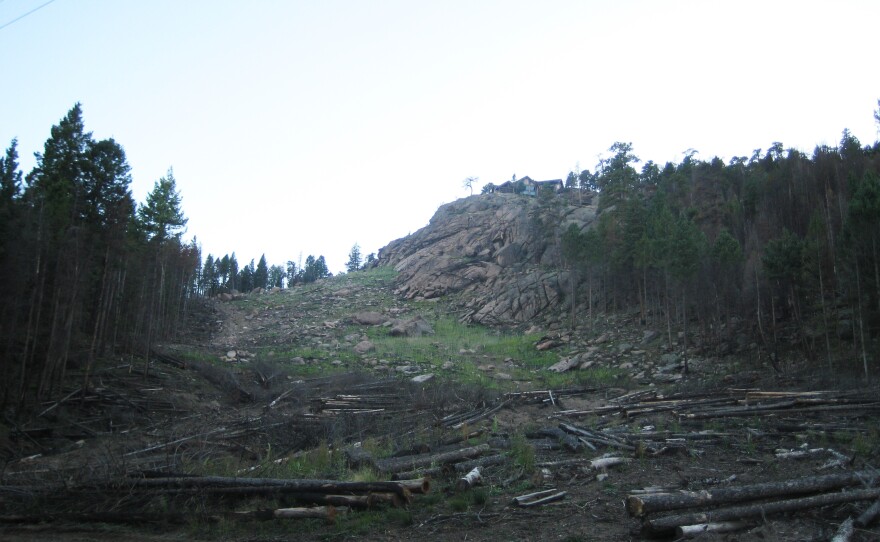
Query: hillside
355,379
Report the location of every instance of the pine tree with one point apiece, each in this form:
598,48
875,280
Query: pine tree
261,275
162,216
354,259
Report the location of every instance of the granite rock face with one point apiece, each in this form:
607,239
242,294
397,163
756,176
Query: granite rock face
501,251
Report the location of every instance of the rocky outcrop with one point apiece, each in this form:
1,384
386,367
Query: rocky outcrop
501,251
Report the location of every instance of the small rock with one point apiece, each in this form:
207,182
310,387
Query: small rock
649,336
422,378
447,365
669,359
502,376
231,354
563,365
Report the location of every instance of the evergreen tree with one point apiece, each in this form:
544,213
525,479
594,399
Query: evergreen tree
276,276
208,281
354,259
246,277
292,273
261,274
314,269
233,272
10,185
162,215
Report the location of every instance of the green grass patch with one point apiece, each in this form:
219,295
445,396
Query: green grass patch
523,453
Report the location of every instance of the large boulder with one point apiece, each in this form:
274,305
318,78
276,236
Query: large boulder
501,251
369,318
414,327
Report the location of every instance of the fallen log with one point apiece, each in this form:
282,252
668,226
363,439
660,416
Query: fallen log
486,461
692,531
639,505
101,517
416,485
463,437
209,483
538,498
327,513
596,438
469,480
569,442
666,526
408,463
369,500
868,516
844,532
452,468
599,463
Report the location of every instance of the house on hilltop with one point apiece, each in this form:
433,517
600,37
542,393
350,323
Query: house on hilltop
529,186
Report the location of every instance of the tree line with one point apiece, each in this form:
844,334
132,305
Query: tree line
86,272
779,243
223,275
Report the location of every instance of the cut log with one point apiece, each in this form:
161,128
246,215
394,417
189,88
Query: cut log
462,438
692,531
666,526
420,486
601,463
400,464
538,498
469,480
417,473
270,485
596,437
369,500
844,532
639,505
327,513
569,442
868,516
486,461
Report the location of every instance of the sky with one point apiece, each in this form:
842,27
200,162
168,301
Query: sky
303,127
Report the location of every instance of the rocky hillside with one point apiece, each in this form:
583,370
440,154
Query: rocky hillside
501,251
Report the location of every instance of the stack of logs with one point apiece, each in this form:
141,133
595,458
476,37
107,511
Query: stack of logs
740,507
320,498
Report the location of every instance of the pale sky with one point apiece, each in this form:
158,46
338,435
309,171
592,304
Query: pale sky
303,127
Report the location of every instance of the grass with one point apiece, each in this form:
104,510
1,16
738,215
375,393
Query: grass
522,452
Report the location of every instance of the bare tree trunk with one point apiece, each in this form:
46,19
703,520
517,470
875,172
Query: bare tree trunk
100,317
824,308
684,309
590,298
876,269
668,321
861,320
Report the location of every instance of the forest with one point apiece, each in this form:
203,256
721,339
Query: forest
88,273
781,242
